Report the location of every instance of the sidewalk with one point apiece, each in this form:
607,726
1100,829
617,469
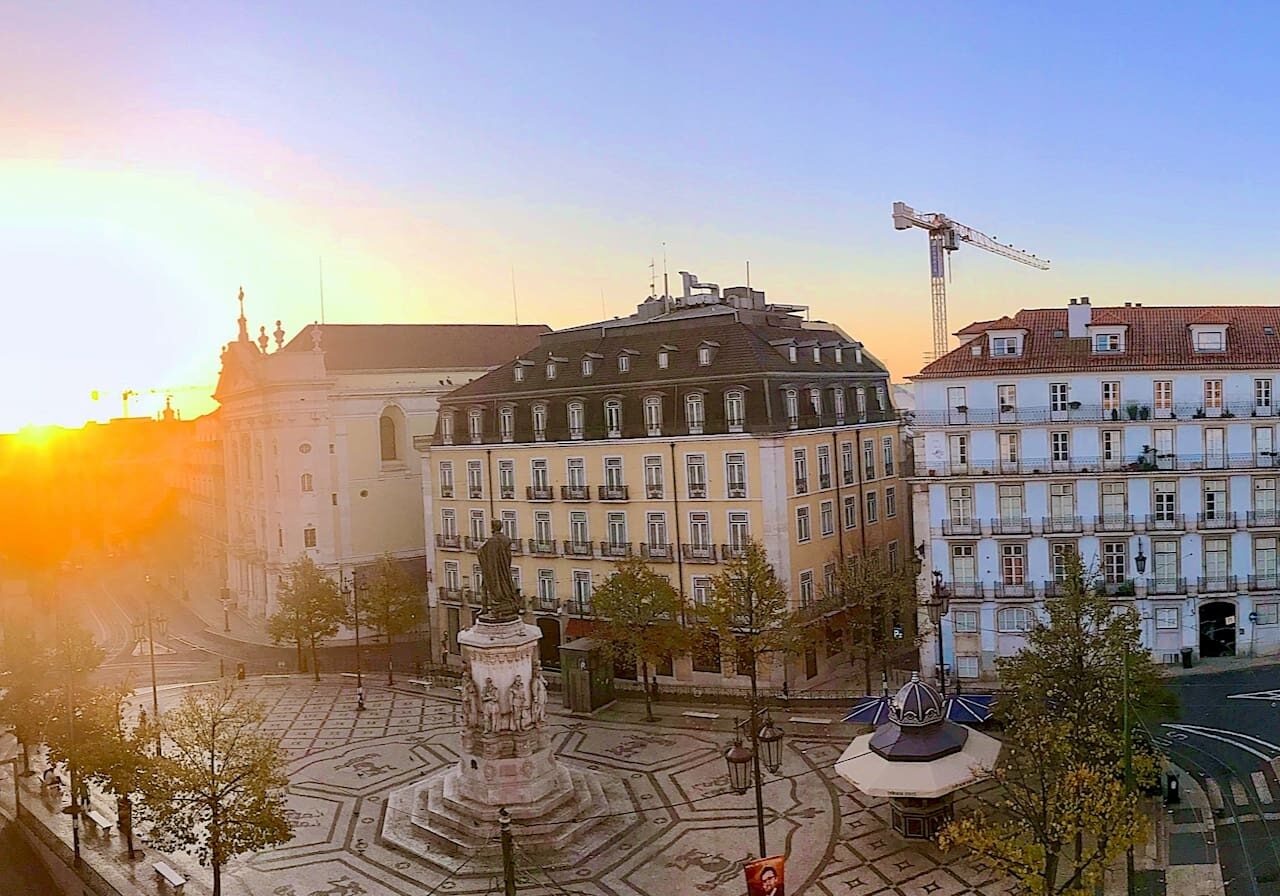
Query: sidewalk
1222,664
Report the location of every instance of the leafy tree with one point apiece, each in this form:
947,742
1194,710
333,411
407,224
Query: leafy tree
1049,800
220,787
310,609
74,656
881,605
25,680
640,619
392,605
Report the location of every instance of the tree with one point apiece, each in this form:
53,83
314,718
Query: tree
25,680
640,619
310,609
881,605
74,656
1049,800
220,786
392,604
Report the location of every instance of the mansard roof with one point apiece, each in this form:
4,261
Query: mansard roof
417,346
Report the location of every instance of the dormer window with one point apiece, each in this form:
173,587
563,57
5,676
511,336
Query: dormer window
624,363
704,356
1210,339
588,366
446,428
817,354
791,353
839,355
664,359
518,373
1005,346
551,370
1106,342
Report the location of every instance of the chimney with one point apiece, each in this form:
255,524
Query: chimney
1079,314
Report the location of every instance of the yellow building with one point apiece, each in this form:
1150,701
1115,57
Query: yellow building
675,434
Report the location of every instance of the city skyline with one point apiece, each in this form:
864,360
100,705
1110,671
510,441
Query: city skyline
153,165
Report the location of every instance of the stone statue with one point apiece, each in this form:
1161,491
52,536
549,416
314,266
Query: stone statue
470,701
519,705
499,598
538,691
492,708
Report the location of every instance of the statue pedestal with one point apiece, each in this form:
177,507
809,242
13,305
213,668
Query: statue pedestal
506,759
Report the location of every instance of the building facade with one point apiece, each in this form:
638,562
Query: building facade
204,495
318,442
676,434
1144,438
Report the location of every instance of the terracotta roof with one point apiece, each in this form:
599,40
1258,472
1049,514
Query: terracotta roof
1158,339
1104,318
1004,323
978,326
417,346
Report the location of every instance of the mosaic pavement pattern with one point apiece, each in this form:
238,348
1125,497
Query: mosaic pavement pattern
688,836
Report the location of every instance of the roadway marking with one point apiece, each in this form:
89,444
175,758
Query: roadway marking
1238,794
1232,737
1214,792
1256,695
1261,786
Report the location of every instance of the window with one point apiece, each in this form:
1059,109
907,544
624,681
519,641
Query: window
791,403
653,415
306,482
1164,494
803,532
739,530
617,528
448,523
613,417
860,402
387,437
1164,561
891,552
957,399
1106,342
828,578
575,419
653,477
1110,396
837,403
446,429
1015,620
1264,496
960,503
850,511
475,479
576,473
538,475
477,525
791,353
702,592
1060,446
695,471
1013,564
1011,503
582,589
664,359
1262,395
613,477
509,526
817,354
824,466
656,529
1062,501
517,373
735,474
446,479
1217,558
1059,397
542,528
1058,554
800,465
868,459
1267,614
839,352
1212,394
964,567
734,411
700,530
1163,396
551,370
1167,619
1111,442
579,534
886,455
1115,561
958,447
1004,345
965,622
1215,447
806,589
1210,340
827,518
847,470
624,363
815,402
539,412
1007,398
475,425
872,514
507,479
704,356
1264,558
452,579
1263,446
546,588
1114,501
309,537
507,424
694,413
1215,499
890,503
966,665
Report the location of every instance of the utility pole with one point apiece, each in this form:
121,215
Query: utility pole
755,724
508,859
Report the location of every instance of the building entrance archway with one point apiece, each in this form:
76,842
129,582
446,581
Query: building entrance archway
1218,628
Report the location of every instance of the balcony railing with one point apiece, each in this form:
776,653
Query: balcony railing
733,551
1062,524
737,489
1079,412
697,489
1217,583
967,589
1122,588
661,552
577,607
1011,526
698,553
1019,589
615,549
472,542
475,491
802,486
546,603
1140,463
1166,522
1053,589
1264,583
449,542
1224,520
507,493
577,548
575,493
446,491
541,548
961,527
1113,522
1264,519
450,595
1167,586
653,491
613,493
517,546
539,493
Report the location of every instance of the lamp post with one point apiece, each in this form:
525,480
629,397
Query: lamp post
226,608
351,588
939,604
151,642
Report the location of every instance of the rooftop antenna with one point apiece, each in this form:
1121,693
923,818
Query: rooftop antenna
653,278
515,303
322,289
748,275
666,283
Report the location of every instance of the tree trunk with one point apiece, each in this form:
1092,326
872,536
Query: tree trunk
390,655
26,759
217,878
124,817
315,660
644,686
302,662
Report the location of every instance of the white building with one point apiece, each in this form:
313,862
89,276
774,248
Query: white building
1143,437
318,442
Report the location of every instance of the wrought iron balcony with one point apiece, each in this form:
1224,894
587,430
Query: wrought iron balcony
961,527
697,489
733,551
1167,586
737,489
507,493
967,589
657,552
1264,583
575,493
539,493
578,607
653,491
613,493
1224,520
1062,524
615,549
546,603
1113,522
1011,526
472,542
1263,519
1166,522
449,542
475,491
1014,589
1217,583
541,548
698,553
577,548
446,491
450,595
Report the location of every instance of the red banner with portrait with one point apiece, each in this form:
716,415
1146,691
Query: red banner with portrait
765,877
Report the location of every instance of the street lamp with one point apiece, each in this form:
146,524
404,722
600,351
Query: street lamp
744,762
351,588
226,608
939,604
1140,560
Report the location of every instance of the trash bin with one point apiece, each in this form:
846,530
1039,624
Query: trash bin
1172,792
1186,657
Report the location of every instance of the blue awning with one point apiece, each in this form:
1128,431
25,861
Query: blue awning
869,711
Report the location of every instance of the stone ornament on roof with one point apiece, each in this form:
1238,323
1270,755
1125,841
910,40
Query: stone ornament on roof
916,705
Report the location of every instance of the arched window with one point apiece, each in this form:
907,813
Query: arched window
446,428
815,402
837,403
475,425
653,415
387,437
1015,619
613,417
576,420
507,423
539,413
791,403
307,482
735,410
694,413
860,396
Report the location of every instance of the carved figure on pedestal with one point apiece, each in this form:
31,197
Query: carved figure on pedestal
538,691
500,600
492,707
519,705
470,700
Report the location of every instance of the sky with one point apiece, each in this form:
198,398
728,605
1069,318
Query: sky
154,158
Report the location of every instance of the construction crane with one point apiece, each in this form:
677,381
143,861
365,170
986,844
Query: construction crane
945,235
167,393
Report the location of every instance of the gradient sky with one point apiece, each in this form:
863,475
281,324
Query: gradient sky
153,160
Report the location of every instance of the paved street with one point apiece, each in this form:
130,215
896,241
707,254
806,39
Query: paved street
1228,736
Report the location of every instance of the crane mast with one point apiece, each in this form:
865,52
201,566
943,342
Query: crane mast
945,235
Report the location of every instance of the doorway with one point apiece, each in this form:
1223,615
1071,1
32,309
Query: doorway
1218,629
549,645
